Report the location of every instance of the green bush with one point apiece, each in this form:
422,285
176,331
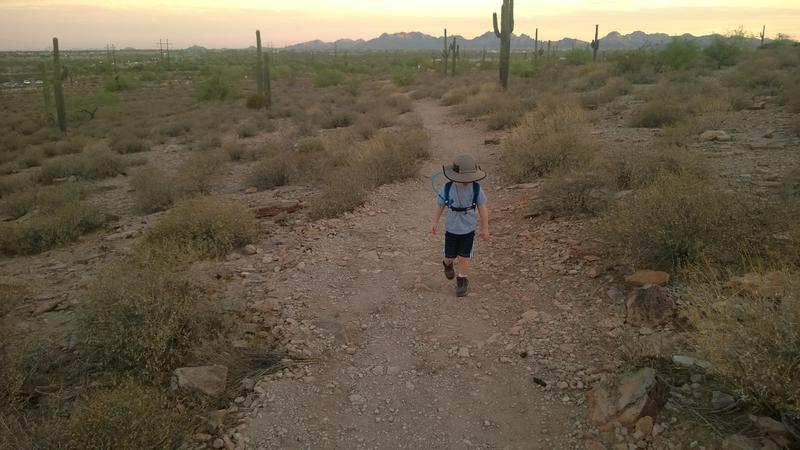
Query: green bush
679,219
128,416
577,56
220,84
547,141
328,77
679,53
723,51
404,76
143,316
118,83
583,192
205,227
656,114
336,120
153,190
65,224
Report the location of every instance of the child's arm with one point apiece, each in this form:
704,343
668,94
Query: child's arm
484,221
437,214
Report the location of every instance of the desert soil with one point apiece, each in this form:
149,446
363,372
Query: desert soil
393,359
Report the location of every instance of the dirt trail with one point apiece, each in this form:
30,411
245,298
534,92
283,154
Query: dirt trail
403,362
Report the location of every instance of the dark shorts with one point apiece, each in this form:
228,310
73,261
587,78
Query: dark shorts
458,245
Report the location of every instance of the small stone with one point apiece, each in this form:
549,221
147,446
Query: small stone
647,277
645,425
209,380
357,399
715,135
594,445
463,352
218,443
251,190
562,385
250,249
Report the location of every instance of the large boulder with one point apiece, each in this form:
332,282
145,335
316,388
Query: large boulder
632,397
649,306
209,380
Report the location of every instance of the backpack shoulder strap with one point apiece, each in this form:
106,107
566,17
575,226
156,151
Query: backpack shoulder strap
476,191
447,187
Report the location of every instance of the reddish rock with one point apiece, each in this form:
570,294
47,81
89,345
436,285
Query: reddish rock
646,277
633,397
645,425
649,307
277,208
251,190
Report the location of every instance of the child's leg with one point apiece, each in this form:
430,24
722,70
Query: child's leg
463,266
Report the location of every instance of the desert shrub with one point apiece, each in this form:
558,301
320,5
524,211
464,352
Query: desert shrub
28,127
31,157
336,120
583,192
656,114
504,118
577,56
98,162
127,416
614,87
64,147
679,53
400,102
124,141
142,316
119,83
790,96
309,145
197,175
328,77
404,76
627,169
65,224
547,141
220,84
751,341
246,129
455,96
723,51
679,219
18,204
153,190
385,158
255,101
206,227
270,173
795,126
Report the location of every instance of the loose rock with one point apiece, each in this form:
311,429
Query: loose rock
209,380
649,306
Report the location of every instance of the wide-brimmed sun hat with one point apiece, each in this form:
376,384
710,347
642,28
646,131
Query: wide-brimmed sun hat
464,170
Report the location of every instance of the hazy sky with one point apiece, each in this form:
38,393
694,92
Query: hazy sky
30,25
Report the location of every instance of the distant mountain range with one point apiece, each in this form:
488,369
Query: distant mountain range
416,41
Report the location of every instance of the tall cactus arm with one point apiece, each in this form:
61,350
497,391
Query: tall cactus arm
496,30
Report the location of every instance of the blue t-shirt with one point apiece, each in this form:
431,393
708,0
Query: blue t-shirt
461,196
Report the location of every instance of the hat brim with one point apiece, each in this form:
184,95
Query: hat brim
463,177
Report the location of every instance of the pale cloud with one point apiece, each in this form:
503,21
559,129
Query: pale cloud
231,23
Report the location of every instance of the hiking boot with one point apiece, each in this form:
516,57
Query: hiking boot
461,286
449,272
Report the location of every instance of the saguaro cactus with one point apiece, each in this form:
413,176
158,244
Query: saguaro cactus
259,66
536,45
58,89
595,43
503,32
454,48
763,31
445,54
267,85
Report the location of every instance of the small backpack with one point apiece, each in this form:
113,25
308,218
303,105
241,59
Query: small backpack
476,189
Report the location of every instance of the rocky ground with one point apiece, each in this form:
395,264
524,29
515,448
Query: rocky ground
381,354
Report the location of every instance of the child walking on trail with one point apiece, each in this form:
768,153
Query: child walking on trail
465,199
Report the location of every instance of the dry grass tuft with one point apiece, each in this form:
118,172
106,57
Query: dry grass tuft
153,189
679,219
127,416
43,232
752,339
204,227
548,140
